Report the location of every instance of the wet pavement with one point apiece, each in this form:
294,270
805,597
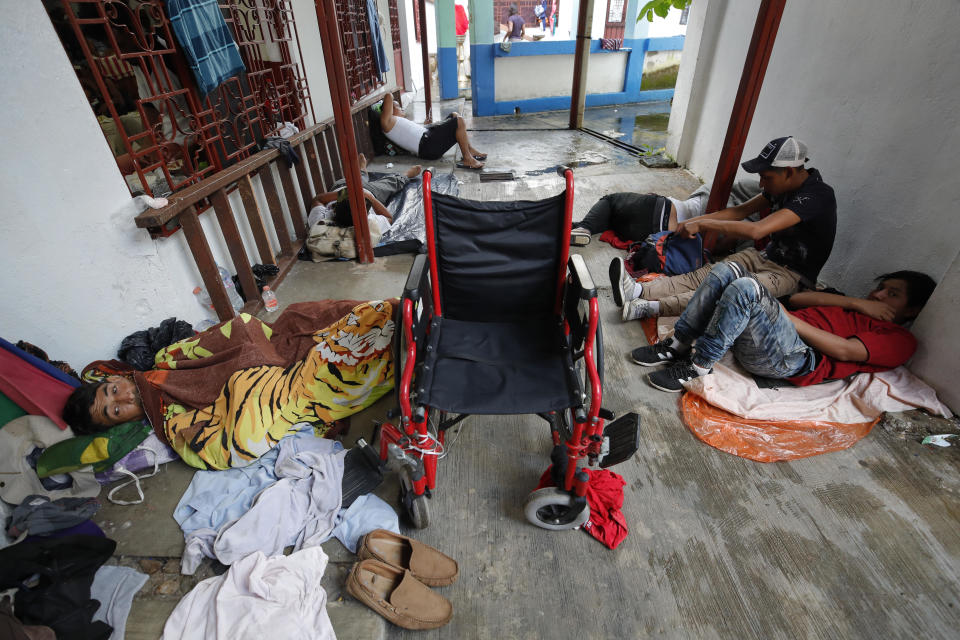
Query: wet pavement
861,543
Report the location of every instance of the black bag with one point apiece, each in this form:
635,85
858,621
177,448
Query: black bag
54,578
381,145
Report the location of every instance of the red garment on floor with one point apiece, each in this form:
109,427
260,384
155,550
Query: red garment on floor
33,390
610,237
605,498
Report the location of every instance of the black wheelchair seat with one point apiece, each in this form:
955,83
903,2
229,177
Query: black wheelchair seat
497,368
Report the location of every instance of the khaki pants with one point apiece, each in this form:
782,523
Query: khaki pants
674,292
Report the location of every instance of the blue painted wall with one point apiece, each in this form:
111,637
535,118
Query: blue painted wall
483,56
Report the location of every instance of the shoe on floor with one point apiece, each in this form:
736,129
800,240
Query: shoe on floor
655,354
637,309
429,566
672,378
622,284
580,237
397,596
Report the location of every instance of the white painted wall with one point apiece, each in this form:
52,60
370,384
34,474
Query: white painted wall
81,276
875,104
408,35
938,356
872,87
665,27
313,65
553,75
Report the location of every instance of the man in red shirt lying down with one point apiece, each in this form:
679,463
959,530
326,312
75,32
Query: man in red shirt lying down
828,337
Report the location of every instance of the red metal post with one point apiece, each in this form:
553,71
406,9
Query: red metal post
751,81
426,58
337,78
580,57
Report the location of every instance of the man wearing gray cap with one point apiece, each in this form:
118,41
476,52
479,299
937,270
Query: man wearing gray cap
801,227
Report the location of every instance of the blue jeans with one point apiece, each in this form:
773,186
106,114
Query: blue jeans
731,309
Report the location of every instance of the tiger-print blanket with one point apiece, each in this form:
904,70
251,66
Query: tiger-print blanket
348,369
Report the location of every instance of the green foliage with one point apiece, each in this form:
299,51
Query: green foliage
661,8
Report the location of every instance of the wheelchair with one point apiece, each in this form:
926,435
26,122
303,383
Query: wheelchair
499,318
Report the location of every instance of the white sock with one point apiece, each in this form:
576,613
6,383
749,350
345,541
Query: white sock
637,290
676,345
654,307
700,370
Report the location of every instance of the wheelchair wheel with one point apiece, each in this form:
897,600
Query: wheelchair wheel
419,512
553,509
415,508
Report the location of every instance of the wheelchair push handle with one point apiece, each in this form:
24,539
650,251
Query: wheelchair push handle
562,170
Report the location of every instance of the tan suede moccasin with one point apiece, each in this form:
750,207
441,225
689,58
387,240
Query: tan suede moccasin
397,596
427,565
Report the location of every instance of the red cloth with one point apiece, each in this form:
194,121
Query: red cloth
605,498
34,391
610,237
888,345
463,22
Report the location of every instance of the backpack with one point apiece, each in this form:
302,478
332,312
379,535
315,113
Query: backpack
666,252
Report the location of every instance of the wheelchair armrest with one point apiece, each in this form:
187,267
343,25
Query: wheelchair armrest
416,284
581,277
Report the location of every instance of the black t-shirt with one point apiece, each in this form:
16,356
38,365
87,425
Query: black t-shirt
805,246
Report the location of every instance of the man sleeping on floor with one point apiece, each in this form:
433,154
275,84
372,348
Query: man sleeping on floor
226,396
830,337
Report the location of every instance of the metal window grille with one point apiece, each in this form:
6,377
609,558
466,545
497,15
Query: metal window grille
354,23
164,133
615,11
616,16
395,24
416,19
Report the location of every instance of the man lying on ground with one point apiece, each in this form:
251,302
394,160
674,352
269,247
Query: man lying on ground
428,142
802,225
830,337
634,216
376,192
225,397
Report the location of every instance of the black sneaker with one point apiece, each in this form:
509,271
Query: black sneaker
672,378
655,354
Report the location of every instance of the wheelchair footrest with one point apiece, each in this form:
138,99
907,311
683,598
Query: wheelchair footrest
361,472
624,439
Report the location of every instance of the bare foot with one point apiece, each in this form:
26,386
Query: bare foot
467,164
363,161
414,171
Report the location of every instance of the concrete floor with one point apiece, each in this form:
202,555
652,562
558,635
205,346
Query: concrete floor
861,543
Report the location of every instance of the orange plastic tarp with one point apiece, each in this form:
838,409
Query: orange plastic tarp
767,440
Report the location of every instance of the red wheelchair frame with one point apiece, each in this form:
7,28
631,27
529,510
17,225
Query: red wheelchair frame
412,449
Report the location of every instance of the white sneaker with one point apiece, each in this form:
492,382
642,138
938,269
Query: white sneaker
623,286
637,310
580,237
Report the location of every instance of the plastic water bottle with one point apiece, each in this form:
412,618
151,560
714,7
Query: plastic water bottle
204,324
235,300
269,299
202,296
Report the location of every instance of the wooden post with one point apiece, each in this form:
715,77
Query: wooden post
336,76
426,59
581,56
751,81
